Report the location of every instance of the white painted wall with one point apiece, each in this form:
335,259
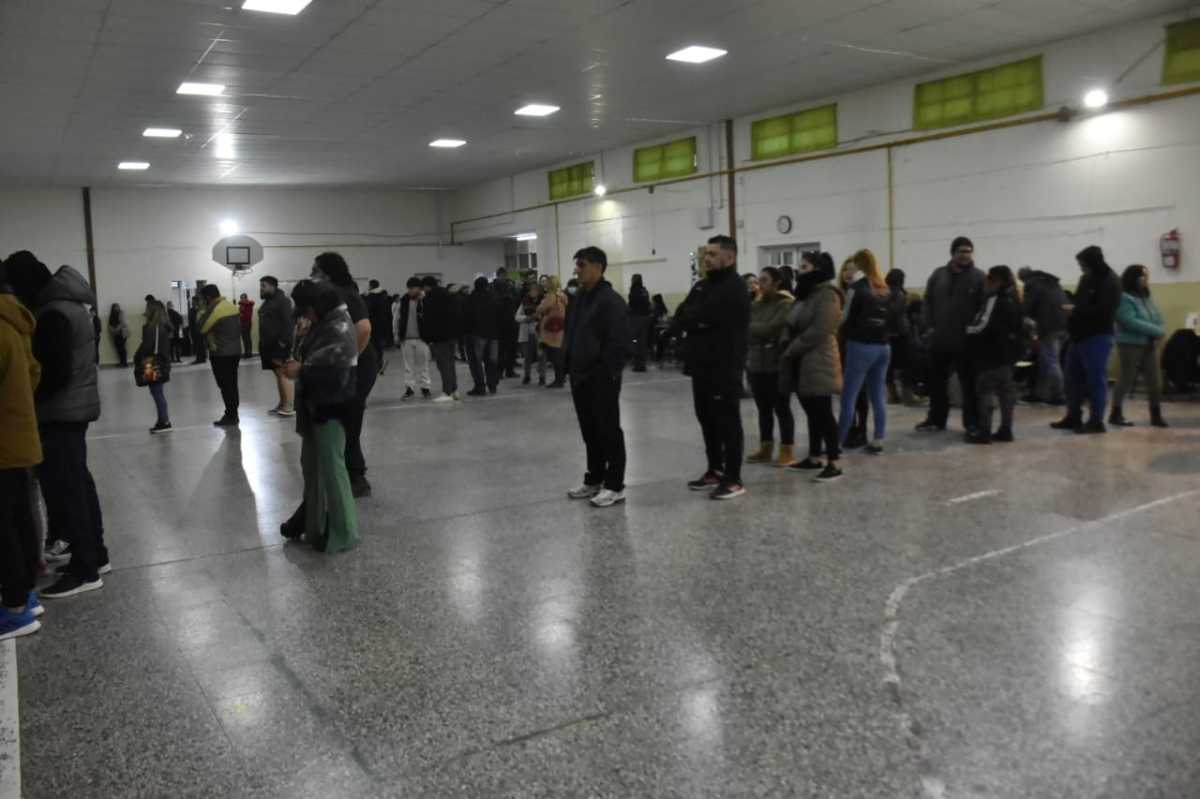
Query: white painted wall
47,222
1034,194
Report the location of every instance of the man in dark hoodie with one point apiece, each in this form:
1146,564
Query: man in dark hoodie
1090,326
379,311
716,318
441,332
953,296
596,345
1044,301
67,400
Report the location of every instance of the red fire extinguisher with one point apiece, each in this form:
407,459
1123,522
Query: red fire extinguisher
1170,246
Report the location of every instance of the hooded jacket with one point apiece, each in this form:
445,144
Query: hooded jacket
768,318
64,343
716,318
598,338
1096,298
379,308
405,308
328,363
20,446
996,337
952,299
813,358
1044,301
221,326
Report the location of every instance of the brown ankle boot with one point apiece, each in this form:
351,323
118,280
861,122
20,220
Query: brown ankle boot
765,449
787,456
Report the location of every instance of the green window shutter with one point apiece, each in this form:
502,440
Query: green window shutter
977,96
1181,64
673,160
571,181
802,132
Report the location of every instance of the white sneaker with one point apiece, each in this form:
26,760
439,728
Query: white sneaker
584,491
606,498
444,398
285,411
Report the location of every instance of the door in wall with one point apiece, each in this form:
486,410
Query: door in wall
778,255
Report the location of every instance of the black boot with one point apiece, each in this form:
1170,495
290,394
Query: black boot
1068,422
1117,418
293,528
1156,419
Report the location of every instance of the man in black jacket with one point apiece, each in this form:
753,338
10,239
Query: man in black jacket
379,311
953,296
596,345
411,333
441,332
508,298
716,318
1090,325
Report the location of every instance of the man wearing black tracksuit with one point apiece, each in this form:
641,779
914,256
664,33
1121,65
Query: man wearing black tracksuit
716,318
596,346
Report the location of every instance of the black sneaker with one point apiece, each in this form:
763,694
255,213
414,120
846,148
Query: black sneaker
978,437
1094,426
359,487
1117,420
226,421
708,481
828,474
161,427
71,585
728,491
929,427
1003,436
806,465
477,392
426,394
855,441
409,394
1067,423
526,380
1030,399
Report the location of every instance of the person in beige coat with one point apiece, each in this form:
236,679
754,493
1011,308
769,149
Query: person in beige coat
812,361
768,318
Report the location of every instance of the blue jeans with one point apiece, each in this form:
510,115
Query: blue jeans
1050,375
865,363
1087,370
160,402
483,360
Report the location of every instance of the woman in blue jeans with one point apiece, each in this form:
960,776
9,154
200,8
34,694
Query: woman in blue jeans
1090,326
156,340
864,329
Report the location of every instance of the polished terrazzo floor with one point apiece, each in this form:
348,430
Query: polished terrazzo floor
883,636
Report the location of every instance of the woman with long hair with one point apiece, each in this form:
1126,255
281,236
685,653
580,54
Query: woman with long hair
118,329
552,324
641,320
1139,329
156,341
528,336
768,318
812,365
864,327
995,341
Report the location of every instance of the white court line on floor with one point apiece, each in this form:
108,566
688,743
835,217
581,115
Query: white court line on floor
10,723
934,787
991,492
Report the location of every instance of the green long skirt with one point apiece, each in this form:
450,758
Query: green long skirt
330,521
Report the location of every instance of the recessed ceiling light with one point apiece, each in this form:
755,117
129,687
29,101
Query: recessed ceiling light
133,166
187,87
1096,98
526,237
696,54
276,6
536,110
447,143
162,133
600,190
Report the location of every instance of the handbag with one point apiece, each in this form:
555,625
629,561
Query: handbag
149,368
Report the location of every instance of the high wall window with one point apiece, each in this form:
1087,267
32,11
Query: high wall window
802,132
977,96
673,160
1182,61
571,181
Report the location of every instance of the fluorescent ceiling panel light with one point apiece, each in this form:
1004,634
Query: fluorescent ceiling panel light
133,166
696,54
276,6
447,143
536,110
210,89
600,190
1096,98
526,237
162,133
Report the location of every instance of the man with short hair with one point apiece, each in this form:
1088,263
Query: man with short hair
596,344
410,332
276,333
716,318
220,325
246,315
441,331
954,294
67,400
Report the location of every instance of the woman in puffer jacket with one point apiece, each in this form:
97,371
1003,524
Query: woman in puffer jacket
768,317
1139,328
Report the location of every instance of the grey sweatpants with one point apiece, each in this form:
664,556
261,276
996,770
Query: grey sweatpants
998,381
1135,358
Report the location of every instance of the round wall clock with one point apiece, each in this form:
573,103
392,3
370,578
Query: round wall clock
784,224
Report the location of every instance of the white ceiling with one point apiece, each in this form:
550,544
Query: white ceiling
352,91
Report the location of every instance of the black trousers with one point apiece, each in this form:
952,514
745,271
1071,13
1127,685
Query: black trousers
176,349
772,403
200,345
356,464
598,408
72,506
247,344
899,362
508,351
122,350
19,550
443,356
640,327
719,412
822,427
941,366
225,370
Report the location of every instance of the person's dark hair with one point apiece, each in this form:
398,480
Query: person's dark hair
269,280
150,298
1002,275
413,283
114,314
243,297
776,275
481,284
724,242
372,283
429,282
320,297
210,291
1131,280
660,305
749,276
1092,258
895,278
26,275
961,241
335,268
502,272
1025,273
636,280
593,255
